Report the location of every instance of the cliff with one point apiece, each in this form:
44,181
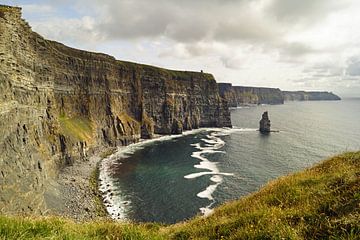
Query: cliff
238,95
309,96
59,105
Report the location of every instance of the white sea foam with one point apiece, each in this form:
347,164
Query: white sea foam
196,175
116,204
210,145
207,193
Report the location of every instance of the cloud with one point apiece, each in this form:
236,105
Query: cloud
304,11
291,41
78,31
353,68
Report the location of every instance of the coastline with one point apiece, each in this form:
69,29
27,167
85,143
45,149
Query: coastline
115,204
79,185
85,190
78,189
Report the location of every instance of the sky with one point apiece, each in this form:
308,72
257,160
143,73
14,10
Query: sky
287,44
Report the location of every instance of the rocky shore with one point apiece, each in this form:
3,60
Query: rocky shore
78,195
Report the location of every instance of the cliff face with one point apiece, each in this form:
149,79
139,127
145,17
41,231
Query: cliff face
58,105
238,95
309,96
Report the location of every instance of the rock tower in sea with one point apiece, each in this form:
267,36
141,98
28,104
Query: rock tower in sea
265,123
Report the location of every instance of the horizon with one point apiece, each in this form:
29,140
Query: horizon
308,46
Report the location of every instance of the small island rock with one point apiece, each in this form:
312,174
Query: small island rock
265,123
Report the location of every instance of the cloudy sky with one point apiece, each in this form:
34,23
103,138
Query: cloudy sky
290,44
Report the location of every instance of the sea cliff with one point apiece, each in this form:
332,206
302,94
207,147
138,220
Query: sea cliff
239,95
309,96
59,105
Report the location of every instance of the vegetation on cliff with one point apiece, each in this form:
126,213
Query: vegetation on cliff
58,105
319,203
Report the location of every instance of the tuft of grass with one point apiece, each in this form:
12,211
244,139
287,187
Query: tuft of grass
77,128
322,202
20,228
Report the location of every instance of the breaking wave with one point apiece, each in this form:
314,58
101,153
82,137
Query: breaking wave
210,145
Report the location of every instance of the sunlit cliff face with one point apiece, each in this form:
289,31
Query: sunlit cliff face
293,45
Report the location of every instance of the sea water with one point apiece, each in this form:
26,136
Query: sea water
174,178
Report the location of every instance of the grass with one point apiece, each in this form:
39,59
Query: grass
78,128
175,74
322,202
94,186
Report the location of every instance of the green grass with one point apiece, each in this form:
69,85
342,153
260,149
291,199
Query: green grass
175,74
78,128
94,185
322,202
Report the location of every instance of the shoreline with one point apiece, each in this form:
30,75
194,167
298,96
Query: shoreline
85,194
115,204
78,189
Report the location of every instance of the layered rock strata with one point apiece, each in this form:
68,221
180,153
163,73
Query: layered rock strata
309,96
59,104
239,95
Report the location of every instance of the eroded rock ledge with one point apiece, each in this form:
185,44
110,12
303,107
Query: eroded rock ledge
59,104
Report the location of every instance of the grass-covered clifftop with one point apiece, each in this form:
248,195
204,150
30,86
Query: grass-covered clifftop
322,202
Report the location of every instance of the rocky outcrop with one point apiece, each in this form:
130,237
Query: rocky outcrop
265,123
309,96
59,104
238,95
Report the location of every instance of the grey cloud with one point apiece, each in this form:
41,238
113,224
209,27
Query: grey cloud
334,73
189,21
232,62
295,11
326,69
260,23
296,49
353,68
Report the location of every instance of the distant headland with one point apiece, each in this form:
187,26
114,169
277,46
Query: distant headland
241,95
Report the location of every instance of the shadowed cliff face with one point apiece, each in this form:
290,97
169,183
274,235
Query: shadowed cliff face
238,95
58,104
309,96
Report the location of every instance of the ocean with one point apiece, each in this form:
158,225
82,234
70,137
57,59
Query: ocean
174,178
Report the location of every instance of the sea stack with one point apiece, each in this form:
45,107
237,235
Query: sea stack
265,123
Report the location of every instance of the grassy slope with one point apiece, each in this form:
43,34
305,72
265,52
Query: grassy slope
319,203
78,128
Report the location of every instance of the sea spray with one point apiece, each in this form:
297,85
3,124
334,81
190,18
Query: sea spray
116,203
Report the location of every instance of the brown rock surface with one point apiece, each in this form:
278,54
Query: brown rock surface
239,95
58,104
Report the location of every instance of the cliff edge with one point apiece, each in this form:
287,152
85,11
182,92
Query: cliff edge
239,95
59,105
310,96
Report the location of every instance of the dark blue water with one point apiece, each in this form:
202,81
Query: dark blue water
172,179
